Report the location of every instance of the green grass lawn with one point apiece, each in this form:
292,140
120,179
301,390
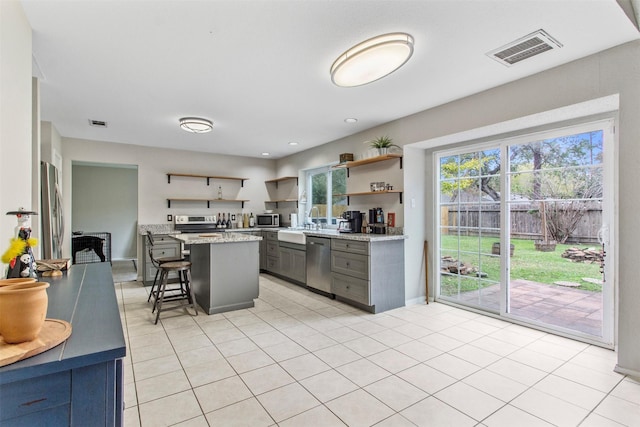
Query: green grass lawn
526,263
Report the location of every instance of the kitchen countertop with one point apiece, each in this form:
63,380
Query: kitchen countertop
334,234
239,234
214,238
169,230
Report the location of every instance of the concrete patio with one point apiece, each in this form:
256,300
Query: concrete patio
570,308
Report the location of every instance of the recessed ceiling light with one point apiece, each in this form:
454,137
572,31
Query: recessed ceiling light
372,59
293,143
351,120
196,124
265,154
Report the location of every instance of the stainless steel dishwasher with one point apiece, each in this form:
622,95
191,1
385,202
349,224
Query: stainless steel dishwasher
319,263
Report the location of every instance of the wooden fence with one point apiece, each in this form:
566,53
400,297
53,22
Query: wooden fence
525,221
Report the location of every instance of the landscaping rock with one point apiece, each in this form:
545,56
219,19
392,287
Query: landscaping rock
586,255
594,281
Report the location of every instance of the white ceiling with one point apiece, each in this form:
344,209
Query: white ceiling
260,69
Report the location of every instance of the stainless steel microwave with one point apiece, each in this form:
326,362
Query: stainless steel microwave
268,220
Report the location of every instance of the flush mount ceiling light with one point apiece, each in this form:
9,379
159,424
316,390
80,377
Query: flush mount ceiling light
351,120
372,59
196,124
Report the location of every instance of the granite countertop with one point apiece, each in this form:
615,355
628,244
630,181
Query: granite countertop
157,229
354,236
209,238
240,234
169,230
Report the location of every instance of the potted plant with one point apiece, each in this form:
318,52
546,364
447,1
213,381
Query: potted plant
382,144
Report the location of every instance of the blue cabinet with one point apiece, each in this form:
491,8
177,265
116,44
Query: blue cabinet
79,382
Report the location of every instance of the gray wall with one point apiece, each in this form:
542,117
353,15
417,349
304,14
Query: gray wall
105,199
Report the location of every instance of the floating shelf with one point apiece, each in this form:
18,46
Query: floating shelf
356,163
283,201
205,200
370,193
284,178
207,177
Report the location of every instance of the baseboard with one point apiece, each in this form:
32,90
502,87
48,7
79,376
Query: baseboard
631,372
415,301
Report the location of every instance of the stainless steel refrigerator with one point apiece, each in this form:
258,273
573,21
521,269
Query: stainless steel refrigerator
52,216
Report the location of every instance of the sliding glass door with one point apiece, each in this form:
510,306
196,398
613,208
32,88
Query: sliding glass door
524,229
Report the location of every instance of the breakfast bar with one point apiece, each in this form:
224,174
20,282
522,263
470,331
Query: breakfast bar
225,269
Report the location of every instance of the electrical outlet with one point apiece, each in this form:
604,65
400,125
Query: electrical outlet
169,217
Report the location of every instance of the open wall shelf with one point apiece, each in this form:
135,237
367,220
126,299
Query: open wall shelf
283,201
356,163
207,177
284,178
209,201
370,193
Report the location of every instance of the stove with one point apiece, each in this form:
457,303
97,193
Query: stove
196,224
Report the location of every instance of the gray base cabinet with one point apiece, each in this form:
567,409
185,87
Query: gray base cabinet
163,246
283,259
293,262
368,274
272,252
224,276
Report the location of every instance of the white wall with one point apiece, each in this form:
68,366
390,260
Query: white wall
16,172
153,189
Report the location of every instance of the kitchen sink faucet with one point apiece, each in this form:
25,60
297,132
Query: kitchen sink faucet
315,225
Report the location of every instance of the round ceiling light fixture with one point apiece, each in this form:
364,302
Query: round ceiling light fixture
372,59
196,124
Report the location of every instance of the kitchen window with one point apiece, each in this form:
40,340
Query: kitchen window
325,187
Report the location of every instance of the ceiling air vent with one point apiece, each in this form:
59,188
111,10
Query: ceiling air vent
98,123
525,47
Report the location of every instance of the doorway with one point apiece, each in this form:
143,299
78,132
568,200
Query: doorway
105,199
524,227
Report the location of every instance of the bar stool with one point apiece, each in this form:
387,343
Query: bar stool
183,292
157,262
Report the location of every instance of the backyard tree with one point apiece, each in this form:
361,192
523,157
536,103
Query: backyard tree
564,175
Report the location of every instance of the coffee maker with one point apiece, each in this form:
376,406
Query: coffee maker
376,221
354,219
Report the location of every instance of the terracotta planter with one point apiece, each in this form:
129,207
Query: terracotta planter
15,281
23,308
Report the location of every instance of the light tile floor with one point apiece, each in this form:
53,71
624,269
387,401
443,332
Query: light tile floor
301,359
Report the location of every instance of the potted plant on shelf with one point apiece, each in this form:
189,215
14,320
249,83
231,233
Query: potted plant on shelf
382,144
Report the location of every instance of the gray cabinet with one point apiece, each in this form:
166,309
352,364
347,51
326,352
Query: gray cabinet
163,246
262,248
272,252
293,262
369,274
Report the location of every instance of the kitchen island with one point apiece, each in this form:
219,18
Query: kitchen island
225,269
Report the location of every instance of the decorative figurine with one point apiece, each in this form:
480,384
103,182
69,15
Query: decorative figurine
19,256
